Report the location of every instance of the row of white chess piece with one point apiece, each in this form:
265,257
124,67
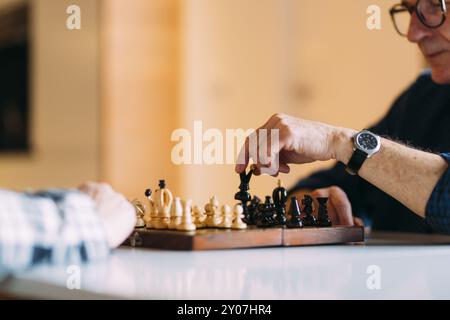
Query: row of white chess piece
174,214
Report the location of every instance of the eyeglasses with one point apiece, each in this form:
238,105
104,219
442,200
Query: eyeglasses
431,13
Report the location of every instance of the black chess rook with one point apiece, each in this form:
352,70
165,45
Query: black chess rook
308,220
323,219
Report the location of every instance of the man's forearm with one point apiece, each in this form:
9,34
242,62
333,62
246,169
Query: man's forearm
406,174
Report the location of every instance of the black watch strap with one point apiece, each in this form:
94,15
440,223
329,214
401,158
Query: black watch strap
356,162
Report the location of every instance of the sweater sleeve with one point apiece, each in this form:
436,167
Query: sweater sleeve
437,212
57,226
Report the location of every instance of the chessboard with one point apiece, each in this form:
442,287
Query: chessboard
175,224
217,239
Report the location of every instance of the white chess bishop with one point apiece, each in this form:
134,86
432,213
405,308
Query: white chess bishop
152,214
163,202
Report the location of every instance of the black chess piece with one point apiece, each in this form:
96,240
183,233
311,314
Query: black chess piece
244,196
294,220
323,220
267,214
148,193
308,220
253,210
162,184
279,196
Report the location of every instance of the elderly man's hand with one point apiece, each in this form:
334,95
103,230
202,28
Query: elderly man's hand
116,213
300,141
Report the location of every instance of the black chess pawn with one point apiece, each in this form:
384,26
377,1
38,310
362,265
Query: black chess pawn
308,220
294,220
266,214
244,196
253,210
323,220
279,196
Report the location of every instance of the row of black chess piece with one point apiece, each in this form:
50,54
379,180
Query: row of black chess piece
271,214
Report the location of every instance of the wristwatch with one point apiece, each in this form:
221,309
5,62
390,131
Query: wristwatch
365,145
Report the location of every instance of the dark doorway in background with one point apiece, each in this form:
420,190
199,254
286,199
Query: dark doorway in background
14,79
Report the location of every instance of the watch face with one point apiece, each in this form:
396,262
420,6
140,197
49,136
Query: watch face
367,141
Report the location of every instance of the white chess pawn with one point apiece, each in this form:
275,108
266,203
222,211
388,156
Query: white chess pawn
186,223
199,217
227,217
163,201
238,224
176,214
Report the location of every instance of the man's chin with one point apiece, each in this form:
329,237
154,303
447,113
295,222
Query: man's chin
440,76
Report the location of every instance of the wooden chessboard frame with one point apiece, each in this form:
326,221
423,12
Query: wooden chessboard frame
217,239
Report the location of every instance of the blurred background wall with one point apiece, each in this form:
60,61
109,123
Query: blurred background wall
63,98
106,98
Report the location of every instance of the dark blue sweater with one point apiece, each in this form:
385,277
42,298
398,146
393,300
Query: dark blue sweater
420,118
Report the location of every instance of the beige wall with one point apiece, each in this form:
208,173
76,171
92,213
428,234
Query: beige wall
64,101
139,93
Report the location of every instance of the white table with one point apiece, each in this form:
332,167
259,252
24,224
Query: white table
323,272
